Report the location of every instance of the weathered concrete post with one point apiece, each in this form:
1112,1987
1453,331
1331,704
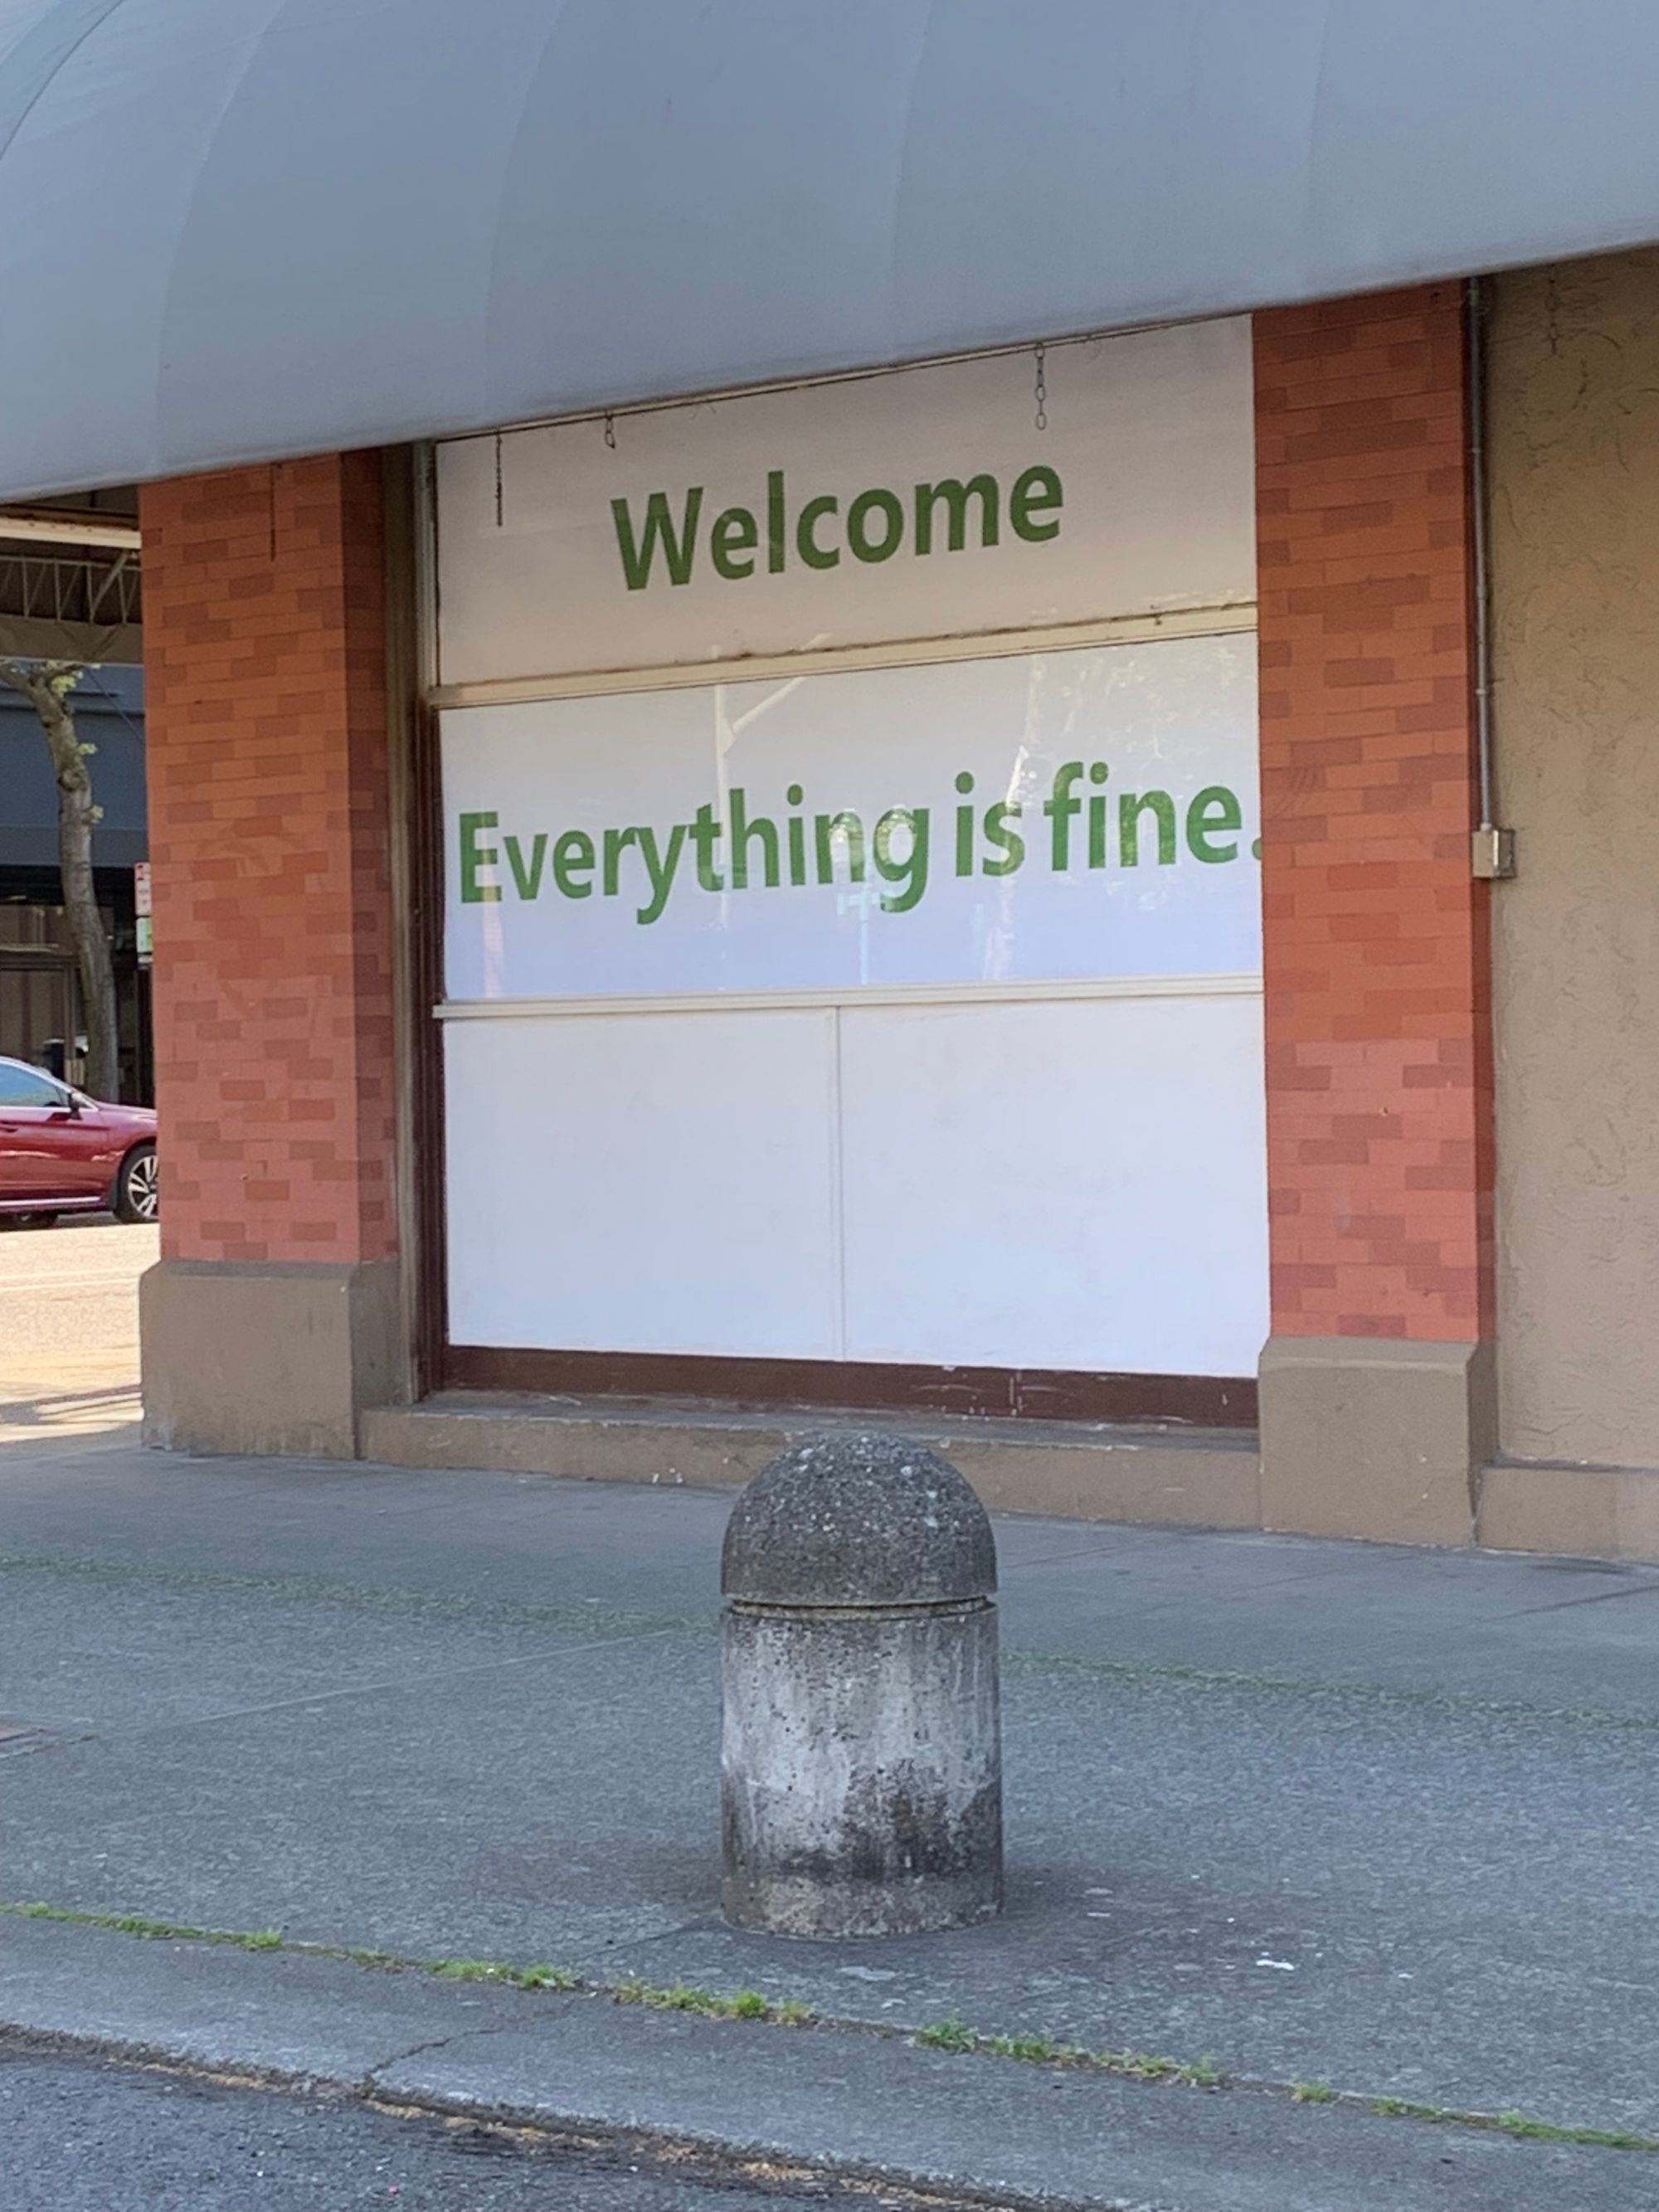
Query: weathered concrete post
862,1764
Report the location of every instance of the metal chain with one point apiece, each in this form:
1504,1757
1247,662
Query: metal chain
498,480
1041,393
611,430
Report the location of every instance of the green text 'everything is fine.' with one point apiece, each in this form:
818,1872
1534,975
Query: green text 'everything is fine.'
727,847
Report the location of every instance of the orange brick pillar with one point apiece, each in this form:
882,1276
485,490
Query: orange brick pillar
1377,1384
274,1316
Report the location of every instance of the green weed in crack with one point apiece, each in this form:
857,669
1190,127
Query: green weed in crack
951,2035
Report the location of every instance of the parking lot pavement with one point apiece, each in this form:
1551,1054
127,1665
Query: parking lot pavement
69,1326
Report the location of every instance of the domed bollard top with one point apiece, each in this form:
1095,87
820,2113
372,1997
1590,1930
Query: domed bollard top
859,1519
861,1775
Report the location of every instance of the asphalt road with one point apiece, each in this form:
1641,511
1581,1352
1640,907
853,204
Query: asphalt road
69,1324
83,2134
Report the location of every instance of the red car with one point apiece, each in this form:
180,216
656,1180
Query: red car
63,1152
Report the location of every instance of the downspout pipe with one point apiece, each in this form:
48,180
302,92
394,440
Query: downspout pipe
1494,849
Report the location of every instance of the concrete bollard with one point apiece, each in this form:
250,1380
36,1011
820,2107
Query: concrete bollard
862,1762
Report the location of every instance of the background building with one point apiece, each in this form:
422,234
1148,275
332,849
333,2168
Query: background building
70,589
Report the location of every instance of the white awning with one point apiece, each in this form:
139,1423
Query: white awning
235,230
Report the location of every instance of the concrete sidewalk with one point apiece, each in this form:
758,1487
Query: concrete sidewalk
1315,1813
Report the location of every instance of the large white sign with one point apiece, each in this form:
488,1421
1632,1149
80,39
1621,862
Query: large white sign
1090,813
931,502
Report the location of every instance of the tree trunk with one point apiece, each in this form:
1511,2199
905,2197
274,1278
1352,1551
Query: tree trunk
46,684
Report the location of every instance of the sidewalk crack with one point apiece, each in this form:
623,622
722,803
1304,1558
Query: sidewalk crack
371,2078
371,2084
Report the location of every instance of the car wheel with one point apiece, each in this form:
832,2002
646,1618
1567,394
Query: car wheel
136,1188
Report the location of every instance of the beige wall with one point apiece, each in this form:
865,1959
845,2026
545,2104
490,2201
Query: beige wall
1574,424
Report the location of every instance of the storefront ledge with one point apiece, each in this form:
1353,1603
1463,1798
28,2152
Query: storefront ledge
1586,1512
248,1358
1082,1471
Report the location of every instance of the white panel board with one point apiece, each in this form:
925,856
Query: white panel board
1073,1185
991,853
644,1183
801,519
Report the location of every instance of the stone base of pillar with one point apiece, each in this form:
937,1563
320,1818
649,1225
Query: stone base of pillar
1591,1512
1374,1436
249,1357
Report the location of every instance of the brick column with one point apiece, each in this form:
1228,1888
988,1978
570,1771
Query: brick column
1376,1383
273,1316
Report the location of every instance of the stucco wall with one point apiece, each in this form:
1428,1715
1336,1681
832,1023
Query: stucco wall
1574,422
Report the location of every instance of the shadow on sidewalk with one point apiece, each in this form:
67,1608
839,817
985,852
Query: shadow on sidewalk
110,1409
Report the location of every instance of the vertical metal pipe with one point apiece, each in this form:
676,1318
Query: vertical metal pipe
1475,316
